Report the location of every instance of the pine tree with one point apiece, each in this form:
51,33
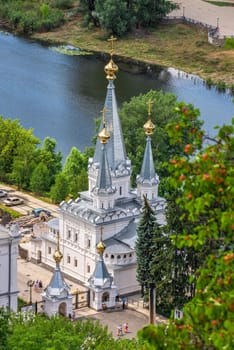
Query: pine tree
144,247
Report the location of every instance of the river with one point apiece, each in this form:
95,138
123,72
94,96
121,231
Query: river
60,96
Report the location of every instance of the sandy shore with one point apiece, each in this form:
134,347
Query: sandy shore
208,13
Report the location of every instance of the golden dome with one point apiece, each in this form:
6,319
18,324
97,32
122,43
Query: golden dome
57,256
110,69
100,247
104,135
149,127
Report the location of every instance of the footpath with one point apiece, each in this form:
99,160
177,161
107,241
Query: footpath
200,10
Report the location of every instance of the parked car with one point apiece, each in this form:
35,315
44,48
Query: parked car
10,201
38,211
3,193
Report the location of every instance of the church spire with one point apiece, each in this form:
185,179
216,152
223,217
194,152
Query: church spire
148,180
101,278
57,287
104,183
115,148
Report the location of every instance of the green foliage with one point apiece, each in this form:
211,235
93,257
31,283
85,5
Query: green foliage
144,246
38,332
4,328
17,147
113,16
60,189
44,10
229,43
75,170
122,16
29,16
40,179
62,4
205,178
134,115
51,158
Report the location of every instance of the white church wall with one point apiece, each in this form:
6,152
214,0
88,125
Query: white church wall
125,279
8,272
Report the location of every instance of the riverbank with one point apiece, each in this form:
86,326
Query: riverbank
184,47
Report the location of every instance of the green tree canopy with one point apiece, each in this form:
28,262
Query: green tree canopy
134,115
38,332
40,179
17,149
144,246
121,17
205,177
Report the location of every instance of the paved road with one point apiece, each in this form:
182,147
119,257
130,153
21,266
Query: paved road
29,202
208,13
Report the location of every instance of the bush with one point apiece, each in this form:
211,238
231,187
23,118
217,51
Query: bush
229,43
62,4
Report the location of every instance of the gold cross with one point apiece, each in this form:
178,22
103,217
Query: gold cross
101,229
112,39
58,238
104,110
149,103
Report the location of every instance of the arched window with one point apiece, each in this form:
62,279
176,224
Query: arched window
112,256
105,297
120,190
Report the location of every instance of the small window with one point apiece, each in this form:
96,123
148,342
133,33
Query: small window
130,255
88,268
68,259
106,256
88,243
125,256
76,237
49,250
112,257
75,262
118,257
68,234
120,190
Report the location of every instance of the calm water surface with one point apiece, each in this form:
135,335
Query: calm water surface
60,96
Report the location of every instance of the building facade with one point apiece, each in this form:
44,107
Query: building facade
109,202
9,240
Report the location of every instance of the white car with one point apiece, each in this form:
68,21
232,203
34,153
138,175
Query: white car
13,201
3,193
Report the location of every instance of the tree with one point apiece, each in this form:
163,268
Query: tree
122,16
144,246
134,114
149,12
38,332
40,180
60,189
205,176
75,170
114,16
17,149
50,158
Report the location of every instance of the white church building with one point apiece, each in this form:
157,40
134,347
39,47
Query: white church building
109,202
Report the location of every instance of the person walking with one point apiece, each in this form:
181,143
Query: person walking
123,302
126,327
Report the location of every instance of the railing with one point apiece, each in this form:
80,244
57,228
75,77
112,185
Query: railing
214,36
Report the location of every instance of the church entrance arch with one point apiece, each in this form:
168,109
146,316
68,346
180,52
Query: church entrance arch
105,297
62,309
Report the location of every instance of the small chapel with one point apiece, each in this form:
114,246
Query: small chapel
109,206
